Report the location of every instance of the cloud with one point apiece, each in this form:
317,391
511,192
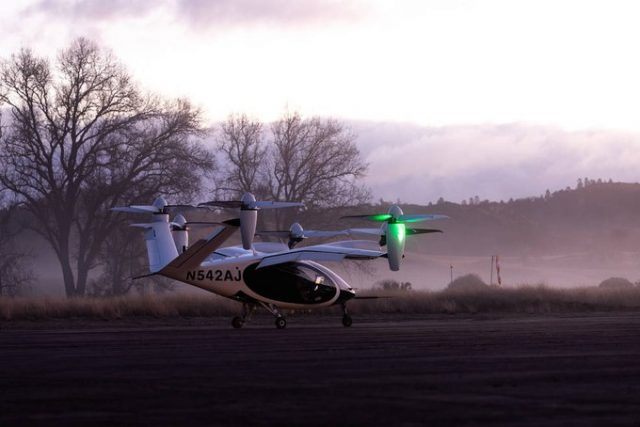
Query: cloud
419,164
272,12
45,25
205,13
91,10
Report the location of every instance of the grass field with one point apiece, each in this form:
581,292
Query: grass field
521,299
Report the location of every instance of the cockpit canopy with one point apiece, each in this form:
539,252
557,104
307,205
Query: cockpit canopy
292,282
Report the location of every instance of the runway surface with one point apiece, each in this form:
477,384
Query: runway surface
569,370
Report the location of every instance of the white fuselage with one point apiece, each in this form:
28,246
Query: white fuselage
295,285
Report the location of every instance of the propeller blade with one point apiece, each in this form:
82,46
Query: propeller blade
418,218
275,205
136,209
412,231
375,217
222,203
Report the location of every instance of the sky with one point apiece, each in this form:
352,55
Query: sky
451,98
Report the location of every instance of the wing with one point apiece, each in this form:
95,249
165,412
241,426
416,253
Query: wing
319,253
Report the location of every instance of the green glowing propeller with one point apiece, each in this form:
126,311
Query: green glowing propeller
393,232
388,217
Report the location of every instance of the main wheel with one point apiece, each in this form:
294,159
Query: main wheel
237,322
346,320
281,323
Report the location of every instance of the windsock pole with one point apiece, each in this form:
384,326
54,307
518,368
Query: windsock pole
451,271
491,274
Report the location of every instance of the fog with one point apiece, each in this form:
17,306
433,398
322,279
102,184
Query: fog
576,237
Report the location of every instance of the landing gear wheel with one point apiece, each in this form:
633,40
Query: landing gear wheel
346,320
237,322
281,323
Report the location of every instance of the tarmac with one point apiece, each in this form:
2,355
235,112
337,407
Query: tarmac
395,370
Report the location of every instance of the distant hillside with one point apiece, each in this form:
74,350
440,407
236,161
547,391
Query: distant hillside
599,218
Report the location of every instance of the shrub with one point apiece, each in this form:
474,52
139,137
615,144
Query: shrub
392,285
468,282
615,283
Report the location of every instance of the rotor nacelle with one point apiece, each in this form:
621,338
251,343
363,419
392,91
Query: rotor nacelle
393,232
249,207
180,233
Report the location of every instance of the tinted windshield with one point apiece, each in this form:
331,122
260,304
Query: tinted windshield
291,282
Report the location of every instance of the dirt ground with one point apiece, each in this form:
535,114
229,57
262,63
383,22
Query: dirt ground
543,370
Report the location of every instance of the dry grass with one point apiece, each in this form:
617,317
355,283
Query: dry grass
522,299
116,308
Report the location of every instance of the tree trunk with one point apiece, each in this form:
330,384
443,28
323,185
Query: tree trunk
67,274
81,282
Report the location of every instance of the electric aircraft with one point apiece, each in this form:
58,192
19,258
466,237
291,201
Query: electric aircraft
273,276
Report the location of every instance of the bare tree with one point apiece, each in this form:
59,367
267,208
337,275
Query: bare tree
310,160
241,141
15,272
315,161
121,258
80,137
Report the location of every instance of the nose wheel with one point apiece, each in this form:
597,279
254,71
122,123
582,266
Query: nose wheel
237,322
281,322
247,311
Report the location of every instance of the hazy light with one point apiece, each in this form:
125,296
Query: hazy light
569,63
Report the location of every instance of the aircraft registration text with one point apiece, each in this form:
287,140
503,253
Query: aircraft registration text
215,275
